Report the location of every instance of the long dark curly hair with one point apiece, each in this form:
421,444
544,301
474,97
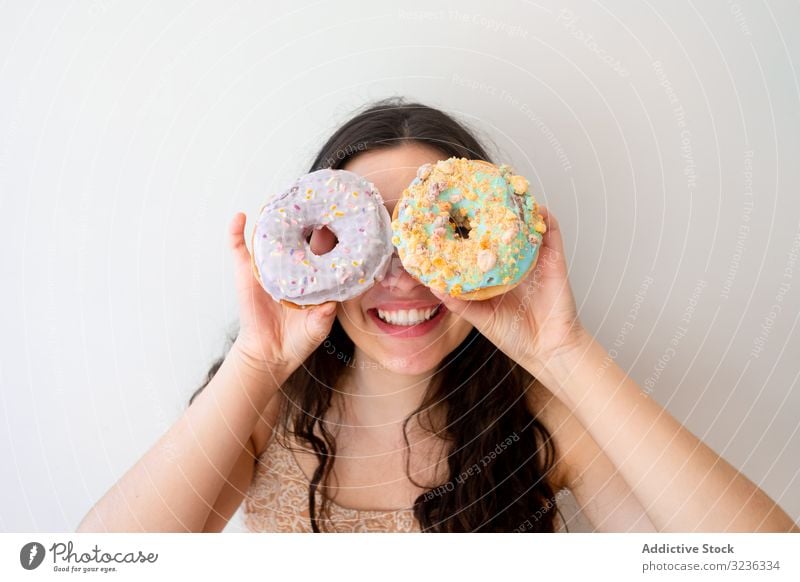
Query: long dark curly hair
500,457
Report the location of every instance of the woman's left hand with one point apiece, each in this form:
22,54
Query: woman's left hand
536,322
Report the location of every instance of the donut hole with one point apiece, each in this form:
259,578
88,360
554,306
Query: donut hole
460,225
321,240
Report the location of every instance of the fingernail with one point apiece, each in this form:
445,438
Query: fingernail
443,297
326,309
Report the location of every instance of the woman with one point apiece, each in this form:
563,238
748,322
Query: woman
324,420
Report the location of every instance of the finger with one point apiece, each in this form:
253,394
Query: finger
322,241
236,236
552,236
319,321
236,230
551,255
246,284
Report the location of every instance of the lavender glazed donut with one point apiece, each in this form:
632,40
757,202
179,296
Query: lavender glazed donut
347,204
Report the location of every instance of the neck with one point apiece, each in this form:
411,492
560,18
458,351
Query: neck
379,399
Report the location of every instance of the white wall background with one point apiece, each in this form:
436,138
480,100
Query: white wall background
665,136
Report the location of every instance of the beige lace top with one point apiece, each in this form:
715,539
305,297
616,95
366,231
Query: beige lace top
277,501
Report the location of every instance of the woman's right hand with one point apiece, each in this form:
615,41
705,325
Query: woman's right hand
272,339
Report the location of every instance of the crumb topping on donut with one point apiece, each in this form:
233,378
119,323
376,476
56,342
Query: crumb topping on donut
464,225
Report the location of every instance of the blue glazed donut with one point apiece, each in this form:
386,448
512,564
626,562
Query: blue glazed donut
468,228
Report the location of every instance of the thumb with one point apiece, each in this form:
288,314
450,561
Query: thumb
478,313
319,321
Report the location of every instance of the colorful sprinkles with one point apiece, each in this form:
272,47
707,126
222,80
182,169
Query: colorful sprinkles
466,225
347,204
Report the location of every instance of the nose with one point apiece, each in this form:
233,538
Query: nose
397,278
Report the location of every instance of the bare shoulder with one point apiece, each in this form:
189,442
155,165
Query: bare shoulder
265,427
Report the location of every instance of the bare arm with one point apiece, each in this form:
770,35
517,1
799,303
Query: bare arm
678,480
178,482
235,488
682,484
601,493
175,485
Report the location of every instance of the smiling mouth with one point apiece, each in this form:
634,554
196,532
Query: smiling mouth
408,317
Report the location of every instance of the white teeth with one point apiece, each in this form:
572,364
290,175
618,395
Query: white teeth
406,316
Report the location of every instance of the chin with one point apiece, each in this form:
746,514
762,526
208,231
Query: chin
400,346
411,363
